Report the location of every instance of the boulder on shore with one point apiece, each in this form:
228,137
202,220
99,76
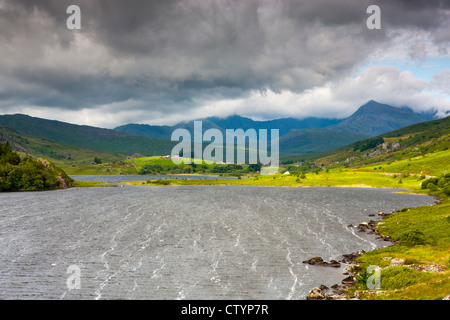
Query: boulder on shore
350,280
319,262
313,261
396,262
351,257
316,294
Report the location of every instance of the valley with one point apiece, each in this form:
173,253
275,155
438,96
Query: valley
414,159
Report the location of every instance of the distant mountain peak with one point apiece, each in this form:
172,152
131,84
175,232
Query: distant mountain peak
373,106
374,118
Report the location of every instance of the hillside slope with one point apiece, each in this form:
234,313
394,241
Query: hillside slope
86,136
26,174
284,125
302,136
61,154
418,140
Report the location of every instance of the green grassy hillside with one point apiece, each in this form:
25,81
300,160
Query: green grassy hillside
62,155
86,137
407,143
26,174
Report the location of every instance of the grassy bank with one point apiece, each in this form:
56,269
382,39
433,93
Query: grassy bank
423,240
88,184
428,164
161,165
332,177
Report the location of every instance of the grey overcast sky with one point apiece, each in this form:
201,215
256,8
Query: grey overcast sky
161,62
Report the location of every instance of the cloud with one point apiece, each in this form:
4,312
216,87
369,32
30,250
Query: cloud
340,99
163,60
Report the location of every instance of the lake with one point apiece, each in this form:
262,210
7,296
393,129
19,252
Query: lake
183,242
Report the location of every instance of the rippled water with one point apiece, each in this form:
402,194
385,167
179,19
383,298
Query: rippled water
186,242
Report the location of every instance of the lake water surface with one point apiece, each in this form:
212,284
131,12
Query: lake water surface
184,242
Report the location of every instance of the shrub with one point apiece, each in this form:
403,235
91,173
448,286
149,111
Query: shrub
441,183
412,238
431,187
17,174
367,144
401,277
447,190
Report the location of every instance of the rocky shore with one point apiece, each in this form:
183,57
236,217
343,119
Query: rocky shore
339,291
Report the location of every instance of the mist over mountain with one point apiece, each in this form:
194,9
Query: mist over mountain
303,135
232,122
375,118
296,136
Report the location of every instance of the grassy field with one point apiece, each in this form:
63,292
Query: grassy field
159,165
89,184
429,164
424,239
113,168
334,177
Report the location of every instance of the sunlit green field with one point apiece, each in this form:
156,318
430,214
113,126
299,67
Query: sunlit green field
430,164
431,245
334,177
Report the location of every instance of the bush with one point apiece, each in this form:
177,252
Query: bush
413,238
434,184
401,277
432,187
447,190
17,174
367,144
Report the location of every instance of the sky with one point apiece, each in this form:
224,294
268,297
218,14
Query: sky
162,62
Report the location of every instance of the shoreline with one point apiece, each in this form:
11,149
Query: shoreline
341,292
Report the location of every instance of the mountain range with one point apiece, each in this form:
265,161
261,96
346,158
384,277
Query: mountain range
87,137
297,136
303,135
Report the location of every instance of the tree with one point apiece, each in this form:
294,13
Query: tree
97,160
254,167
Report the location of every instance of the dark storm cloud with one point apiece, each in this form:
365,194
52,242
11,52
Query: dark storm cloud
169,53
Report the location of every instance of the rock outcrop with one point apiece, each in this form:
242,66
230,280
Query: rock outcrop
320,262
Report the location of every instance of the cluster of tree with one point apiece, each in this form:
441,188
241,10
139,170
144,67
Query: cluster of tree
229,168
438,183
221,169
27,174
305,167
367,144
